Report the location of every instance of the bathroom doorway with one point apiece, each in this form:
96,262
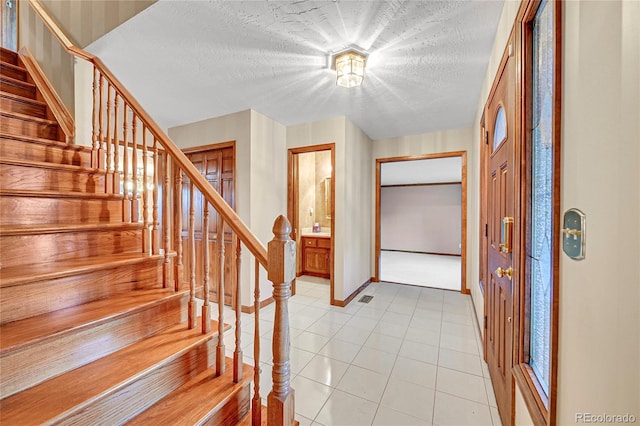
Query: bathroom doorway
311,211
421,204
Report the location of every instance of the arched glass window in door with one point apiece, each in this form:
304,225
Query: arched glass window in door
500,129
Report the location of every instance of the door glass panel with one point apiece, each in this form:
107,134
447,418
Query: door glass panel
500,129
541,194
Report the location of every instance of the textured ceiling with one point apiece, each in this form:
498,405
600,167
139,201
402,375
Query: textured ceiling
190,60
433,170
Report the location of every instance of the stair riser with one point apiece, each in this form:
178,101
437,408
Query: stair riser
17,126
60,293
8,56
18,177
233,411
18,210
29,249
17,73
19,150
34,364
22,107
128,402
28,91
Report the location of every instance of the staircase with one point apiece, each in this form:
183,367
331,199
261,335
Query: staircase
90,332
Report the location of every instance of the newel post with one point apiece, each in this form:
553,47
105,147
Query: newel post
281,271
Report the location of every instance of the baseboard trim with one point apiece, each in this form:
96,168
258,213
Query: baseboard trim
343,303
423,252
252,308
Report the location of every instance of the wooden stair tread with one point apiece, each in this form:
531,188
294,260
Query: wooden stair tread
194,400
78,388
58,194
46,165
60,228
27,117
43,141
15,82
17,334
63,268
18,98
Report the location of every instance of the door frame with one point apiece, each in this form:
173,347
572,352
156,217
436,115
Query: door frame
463,251
293,206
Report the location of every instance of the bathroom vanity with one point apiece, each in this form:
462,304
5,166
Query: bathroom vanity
316,254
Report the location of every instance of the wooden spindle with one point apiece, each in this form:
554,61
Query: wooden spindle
281,271
237,354
94,124
166,271
135,214
100,112
177,227
220,356
146,243
192,259
256,403
155,243
115,168
126,205
108,142
206,307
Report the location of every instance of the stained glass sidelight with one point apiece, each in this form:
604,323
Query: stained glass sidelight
541,194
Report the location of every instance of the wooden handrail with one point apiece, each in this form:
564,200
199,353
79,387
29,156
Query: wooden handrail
230,217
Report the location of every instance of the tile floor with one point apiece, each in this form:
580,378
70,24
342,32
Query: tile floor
409,357
425,270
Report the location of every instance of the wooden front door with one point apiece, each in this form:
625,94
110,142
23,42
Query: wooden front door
217,165
500,124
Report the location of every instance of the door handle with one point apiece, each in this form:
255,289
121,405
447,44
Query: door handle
505,272
506,233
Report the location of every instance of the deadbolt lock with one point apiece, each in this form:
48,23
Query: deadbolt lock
505,272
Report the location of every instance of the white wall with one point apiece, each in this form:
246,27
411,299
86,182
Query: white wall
425,218
599,324
358,240
268,191
599,349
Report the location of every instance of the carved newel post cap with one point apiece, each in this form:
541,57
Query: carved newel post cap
281,228
281,253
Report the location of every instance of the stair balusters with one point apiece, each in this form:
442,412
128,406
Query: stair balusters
112,169
206,308
126,206
256,403
192,259
155,243
146,235
177,227
95,151
166,271
134,170
220,355
237,354
109,140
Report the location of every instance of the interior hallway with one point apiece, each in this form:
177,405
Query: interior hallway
412,356
424,270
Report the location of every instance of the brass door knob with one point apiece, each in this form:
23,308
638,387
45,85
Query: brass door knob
504,272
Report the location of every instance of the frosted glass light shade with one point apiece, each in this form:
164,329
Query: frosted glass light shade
349,69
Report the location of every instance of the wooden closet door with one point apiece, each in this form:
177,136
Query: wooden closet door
217,166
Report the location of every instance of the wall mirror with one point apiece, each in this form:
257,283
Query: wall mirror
327,197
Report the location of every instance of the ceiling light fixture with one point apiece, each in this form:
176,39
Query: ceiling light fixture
349,66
